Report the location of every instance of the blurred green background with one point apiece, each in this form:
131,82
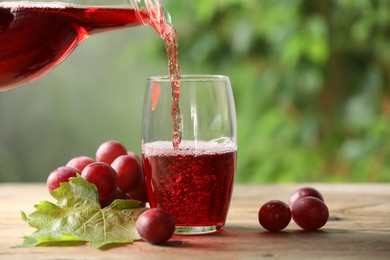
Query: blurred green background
311,81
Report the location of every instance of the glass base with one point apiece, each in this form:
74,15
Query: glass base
197,230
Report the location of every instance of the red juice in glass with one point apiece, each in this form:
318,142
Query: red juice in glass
189,170
194,185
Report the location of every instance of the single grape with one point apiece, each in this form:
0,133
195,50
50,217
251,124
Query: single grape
130,175
134,155
304,192
117,194
155,226
80,162
61,174
103,176
108,151
274,215
310,213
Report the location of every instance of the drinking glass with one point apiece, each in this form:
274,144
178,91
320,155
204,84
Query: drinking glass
193,182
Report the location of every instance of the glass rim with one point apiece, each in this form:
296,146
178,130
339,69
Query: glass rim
190,77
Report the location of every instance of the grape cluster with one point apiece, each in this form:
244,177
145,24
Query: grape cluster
305,206
116,173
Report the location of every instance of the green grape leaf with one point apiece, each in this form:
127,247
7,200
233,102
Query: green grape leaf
78,218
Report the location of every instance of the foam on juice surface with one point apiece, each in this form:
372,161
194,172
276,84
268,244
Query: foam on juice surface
187,147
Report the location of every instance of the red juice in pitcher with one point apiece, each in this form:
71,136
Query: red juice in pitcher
194,185
35,37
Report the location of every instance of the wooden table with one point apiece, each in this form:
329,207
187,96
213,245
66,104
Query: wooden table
359,228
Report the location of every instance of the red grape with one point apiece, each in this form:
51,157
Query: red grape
103,176
61,174
108,151
310,213
117,194
274,215
134,155
129,172
155,226
80,162
304,192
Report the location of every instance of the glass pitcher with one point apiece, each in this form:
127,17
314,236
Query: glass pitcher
36,35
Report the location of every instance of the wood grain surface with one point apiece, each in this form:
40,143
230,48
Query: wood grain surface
359,228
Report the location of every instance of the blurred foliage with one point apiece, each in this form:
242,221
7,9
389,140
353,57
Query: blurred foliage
311,80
